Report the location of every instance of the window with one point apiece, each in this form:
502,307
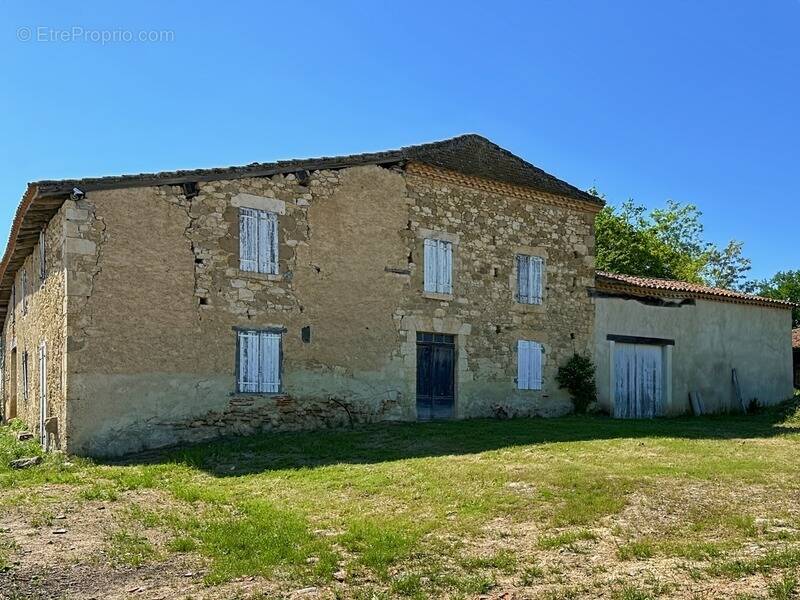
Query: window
24,285
13,305
529,279
259,362
529,365
438,261
25,375
42,258
258,241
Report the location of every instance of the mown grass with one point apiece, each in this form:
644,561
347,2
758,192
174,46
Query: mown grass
401,506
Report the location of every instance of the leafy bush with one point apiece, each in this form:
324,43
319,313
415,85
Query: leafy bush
577,376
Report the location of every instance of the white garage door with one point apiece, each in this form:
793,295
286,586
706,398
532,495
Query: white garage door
638,381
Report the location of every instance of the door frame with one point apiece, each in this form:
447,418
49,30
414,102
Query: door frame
667,346
454,374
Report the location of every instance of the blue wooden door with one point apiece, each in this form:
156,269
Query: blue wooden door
435,376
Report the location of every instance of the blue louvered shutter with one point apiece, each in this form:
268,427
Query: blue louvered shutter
529,365
248,239
536,366
523,365
535,271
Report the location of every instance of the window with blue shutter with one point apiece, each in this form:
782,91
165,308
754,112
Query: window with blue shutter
259,362
530,270
529,365
438,264
258,241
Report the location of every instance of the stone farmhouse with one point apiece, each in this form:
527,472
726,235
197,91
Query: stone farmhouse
444,280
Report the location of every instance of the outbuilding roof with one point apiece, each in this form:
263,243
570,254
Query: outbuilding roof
652,286
796,338
471,155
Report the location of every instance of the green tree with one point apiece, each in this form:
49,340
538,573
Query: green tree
784,285
666,242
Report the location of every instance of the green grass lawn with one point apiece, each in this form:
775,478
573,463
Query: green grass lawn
558,508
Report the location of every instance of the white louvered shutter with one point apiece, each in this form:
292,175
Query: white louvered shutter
248,239
267,242
523,364
446,268
535,270
429,263
270,362
248,361
536,366
523,280
529,365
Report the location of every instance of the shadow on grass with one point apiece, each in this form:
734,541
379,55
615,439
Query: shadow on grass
236,456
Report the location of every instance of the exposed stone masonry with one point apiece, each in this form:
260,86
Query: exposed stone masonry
154,292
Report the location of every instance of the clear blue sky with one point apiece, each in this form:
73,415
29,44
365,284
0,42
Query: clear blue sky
694,101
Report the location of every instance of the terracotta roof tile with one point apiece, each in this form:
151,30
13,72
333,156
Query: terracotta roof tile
796,338
683,287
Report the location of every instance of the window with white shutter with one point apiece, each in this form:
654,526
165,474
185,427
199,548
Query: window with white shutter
529,279
13,305
258,241
438,263
529,365
259,362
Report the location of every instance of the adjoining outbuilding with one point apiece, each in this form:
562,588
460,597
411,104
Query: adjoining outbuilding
667,347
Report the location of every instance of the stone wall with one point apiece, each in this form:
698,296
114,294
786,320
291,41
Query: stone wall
158,292
44,321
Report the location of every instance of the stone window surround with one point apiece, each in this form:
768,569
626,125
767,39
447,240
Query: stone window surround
528,391
538,251
431,234
272,205
279,329
410,325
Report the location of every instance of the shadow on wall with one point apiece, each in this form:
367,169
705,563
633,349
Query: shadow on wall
387,442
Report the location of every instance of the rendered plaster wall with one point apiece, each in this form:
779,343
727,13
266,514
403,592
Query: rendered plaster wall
158,292
44,321
711,338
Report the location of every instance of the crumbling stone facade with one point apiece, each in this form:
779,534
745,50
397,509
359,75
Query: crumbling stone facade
152,294
37,318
